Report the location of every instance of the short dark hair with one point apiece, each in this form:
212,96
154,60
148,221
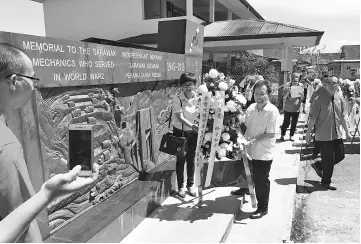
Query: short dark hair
186,77
266,83
11,59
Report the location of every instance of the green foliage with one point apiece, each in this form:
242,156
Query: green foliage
248,62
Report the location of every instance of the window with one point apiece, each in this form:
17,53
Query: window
152,9
174,11
348,67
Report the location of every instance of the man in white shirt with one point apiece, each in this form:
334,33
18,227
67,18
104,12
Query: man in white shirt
261,118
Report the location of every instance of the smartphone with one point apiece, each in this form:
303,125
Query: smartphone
81,151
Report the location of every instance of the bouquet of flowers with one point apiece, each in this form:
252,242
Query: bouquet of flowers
233,127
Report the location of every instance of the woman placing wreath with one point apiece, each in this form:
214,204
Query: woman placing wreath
184,107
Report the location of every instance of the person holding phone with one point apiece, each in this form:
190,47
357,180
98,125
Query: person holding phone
184,107
17,80
14,224
291,106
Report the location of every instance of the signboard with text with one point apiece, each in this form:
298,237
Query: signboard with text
59,62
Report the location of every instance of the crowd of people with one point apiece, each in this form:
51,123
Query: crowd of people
328,112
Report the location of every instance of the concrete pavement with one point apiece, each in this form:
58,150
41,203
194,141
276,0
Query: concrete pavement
220,219
276,225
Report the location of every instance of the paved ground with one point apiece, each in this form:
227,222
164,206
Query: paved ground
315,216
180,221
276,226
329,216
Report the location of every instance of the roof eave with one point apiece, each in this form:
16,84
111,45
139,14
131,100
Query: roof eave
249,6
260,36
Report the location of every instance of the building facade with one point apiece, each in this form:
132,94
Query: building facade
348,65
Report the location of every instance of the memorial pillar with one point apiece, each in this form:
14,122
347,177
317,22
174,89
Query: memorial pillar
286,69
211,10
189,6
229,15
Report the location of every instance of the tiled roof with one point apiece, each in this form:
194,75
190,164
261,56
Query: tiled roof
326,58
239,29
244,29
350,52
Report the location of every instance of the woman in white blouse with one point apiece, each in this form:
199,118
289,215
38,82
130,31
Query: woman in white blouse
184,107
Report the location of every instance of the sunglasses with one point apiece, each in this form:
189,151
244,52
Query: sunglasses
34,79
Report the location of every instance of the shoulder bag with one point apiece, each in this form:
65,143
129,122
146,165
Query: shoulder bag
174,145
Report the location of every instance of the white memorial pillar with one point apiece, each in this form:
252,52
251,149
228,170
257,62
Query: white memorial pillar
211,10
229,15
189,8
163,8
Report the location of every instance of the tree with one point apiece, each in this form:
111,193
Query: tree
247,62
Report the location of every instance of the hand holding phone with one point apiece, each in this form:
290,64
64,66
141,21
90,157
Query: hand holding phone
81,151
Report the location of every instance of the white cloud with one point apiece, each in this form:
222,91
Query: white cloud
310,7
347,42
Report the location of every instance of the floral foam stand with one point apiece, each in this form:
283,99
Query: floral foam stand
221,122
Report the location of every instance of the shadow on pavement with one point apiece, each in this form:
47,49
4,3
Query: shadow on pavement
316,186
286,181
176,212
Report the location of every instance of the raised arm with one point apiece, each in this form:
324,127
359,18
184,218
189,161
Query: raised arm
14,224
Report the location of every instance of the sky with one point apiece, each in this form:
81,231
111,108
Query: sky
339,19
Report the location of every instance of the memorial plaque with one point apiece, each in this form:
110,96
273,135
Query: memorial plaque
175,65
102,85
145,65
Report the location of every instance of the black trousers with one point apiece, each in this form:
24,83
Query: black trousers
287,120
191,152
304,96
261,169
332,152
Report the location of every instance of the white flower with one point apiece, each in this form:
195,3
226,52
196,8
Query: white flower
240,98
231,106
235,88
202,89
208,137
226,128
213,73
231,82
229,147
224,145
226,96
234,93
241,118
226,137
222,153
223,86
241,140
259,77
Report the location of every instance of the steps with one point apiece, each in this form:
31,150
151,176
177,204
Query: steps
178,220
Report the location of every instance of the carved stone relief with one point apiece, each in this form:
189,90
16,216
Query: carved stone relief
116,145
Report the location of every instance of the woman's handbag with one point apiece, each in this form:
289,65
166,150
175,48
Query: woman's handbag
174,145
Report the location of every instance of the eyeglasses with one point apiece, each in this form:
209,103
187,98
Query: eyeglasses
34,79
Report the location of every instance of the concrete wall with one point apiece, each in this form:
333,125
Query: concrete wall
107,19
346,73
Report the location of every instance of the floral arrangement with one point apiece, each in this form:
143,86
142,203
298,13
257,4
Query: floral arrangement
234,115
